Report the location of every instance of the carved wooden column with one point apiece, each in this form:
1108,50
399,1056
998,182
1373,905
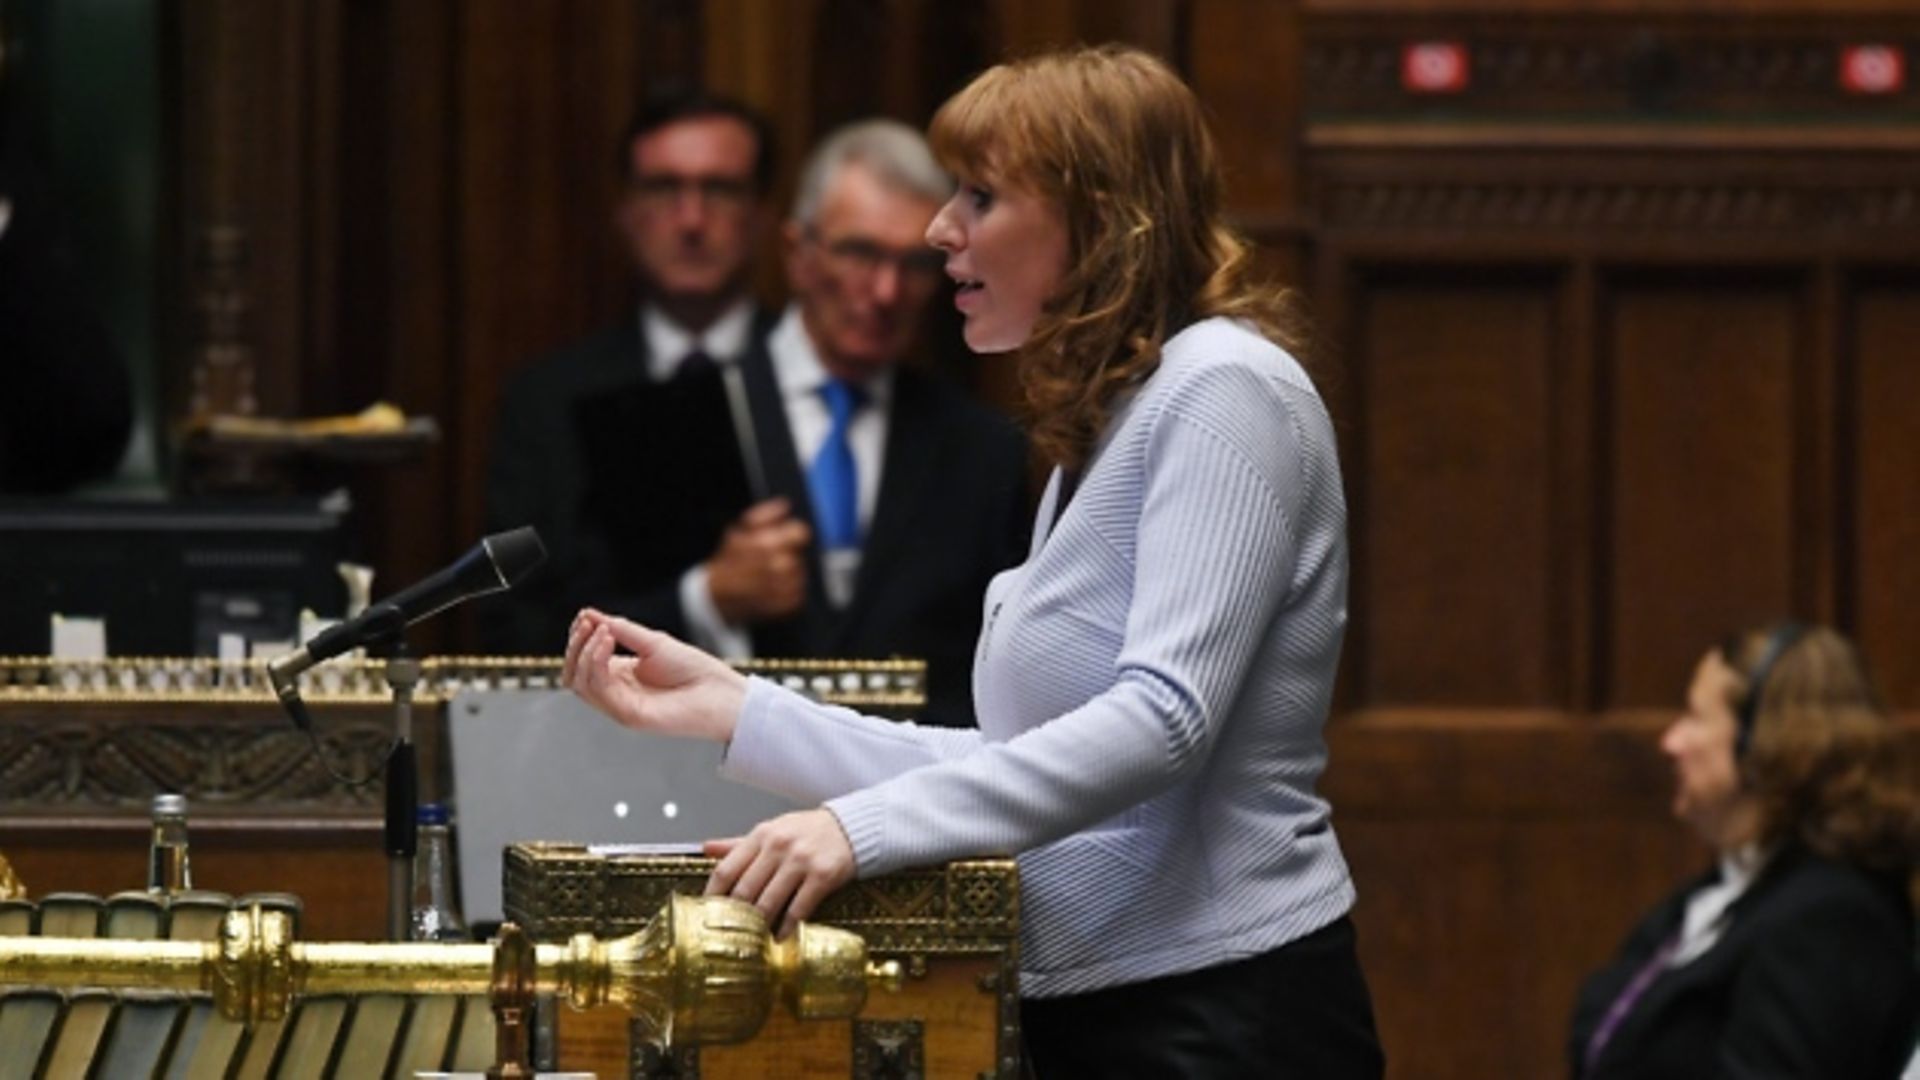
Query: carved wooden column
252,243
219,376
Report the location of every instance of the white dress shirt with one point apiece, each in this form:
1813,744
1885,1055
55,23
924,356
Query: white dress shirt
1706,917
668,342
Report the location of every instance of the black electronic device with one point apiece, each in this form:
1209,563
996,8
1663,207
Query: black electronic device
1782,637
169,577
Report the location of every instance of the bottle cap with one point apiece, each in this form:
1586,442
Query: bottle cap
170,805
432,813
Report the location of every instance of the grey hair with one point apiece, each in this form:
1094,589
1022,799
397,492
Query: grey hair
896,153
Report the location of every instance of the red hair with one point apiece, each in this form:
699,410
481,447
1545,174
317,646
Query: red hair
1113,138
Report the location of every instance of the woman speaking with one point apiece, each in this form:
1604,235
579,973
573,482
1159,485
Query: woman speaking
1153,682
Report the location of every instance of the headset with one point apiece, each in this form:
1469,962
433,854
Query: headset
1782,637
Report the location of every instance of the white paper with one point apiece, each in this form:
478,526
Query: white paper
77,637
614,850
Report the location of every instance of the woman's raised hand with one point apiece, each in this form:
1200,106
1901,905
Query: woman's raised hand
664,686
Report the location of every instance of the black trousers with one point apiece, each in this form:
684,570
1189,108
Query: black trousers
1301,1010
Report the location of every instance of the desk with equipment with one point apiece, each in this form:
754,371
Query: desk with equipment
87,743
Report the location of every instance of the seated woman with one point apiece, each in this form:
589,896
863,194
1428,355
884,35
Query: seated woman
1795,955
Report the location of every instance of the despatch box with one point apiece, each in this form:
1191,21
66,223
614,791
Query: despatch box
955,929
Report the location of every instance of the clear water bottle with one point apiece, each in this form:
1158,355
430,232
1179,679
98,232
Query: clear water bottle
436,911
167,870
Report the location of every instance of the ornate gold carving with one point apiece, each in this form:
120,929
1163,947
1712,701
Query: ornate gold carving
513,993
556,890
251,975
1007,1060
651,1061
706,970
966,908
222,373
1647,206
53,761
889,1050
1538,66
870,684
983,898
215,731
11,887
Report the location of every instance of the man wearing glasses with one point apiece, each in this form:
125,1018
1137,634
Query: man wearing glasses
892,496
697,170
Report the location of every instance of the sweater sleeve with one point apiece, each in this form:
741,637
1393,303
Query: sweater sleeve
810,752
1213,550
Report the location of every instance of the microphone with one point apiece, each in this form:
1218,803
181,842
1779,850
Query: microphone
495,564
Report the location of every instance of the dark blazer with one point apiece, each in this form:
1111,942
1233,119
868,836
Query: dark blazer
649,497
536,476
67,407
1813,977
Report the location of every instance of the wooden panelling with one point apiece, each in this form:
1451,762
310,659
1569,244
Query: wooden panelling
1727,414
1657,68
1701,438
1883,455
398,290
1031,26
1489,927
901,59
1234,48
1454,413
533,207
239,157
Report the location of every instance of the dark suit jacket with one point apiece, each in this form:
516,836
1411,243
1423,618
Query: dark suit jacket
536,476
634,472
1814,977
67,404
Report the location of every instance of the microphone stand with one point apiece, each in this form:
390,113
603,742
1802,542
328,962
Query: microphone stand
494,565
403,789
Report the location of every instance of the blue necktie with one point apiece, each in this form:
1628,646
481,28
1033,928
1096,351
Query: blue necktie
832,479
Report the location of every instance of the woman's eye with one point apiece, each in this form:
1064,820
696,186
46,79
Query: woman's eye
979,197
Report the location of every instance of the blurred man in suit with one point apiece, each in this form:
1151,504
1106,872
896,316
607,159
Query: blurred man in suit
67,409
879,500
697,171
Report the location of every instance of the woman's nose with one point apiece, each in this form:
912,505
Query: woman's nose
941,232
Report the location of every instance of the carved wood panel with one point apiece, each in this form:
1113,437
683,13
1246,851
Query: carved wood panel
1572,62
1700,490
1453,414
1880,448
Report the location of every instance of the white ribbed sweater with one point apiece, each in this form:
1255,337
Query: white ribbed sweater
1152,685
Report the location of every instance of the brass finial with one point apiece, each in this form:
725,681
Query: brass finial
706,970
11,887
